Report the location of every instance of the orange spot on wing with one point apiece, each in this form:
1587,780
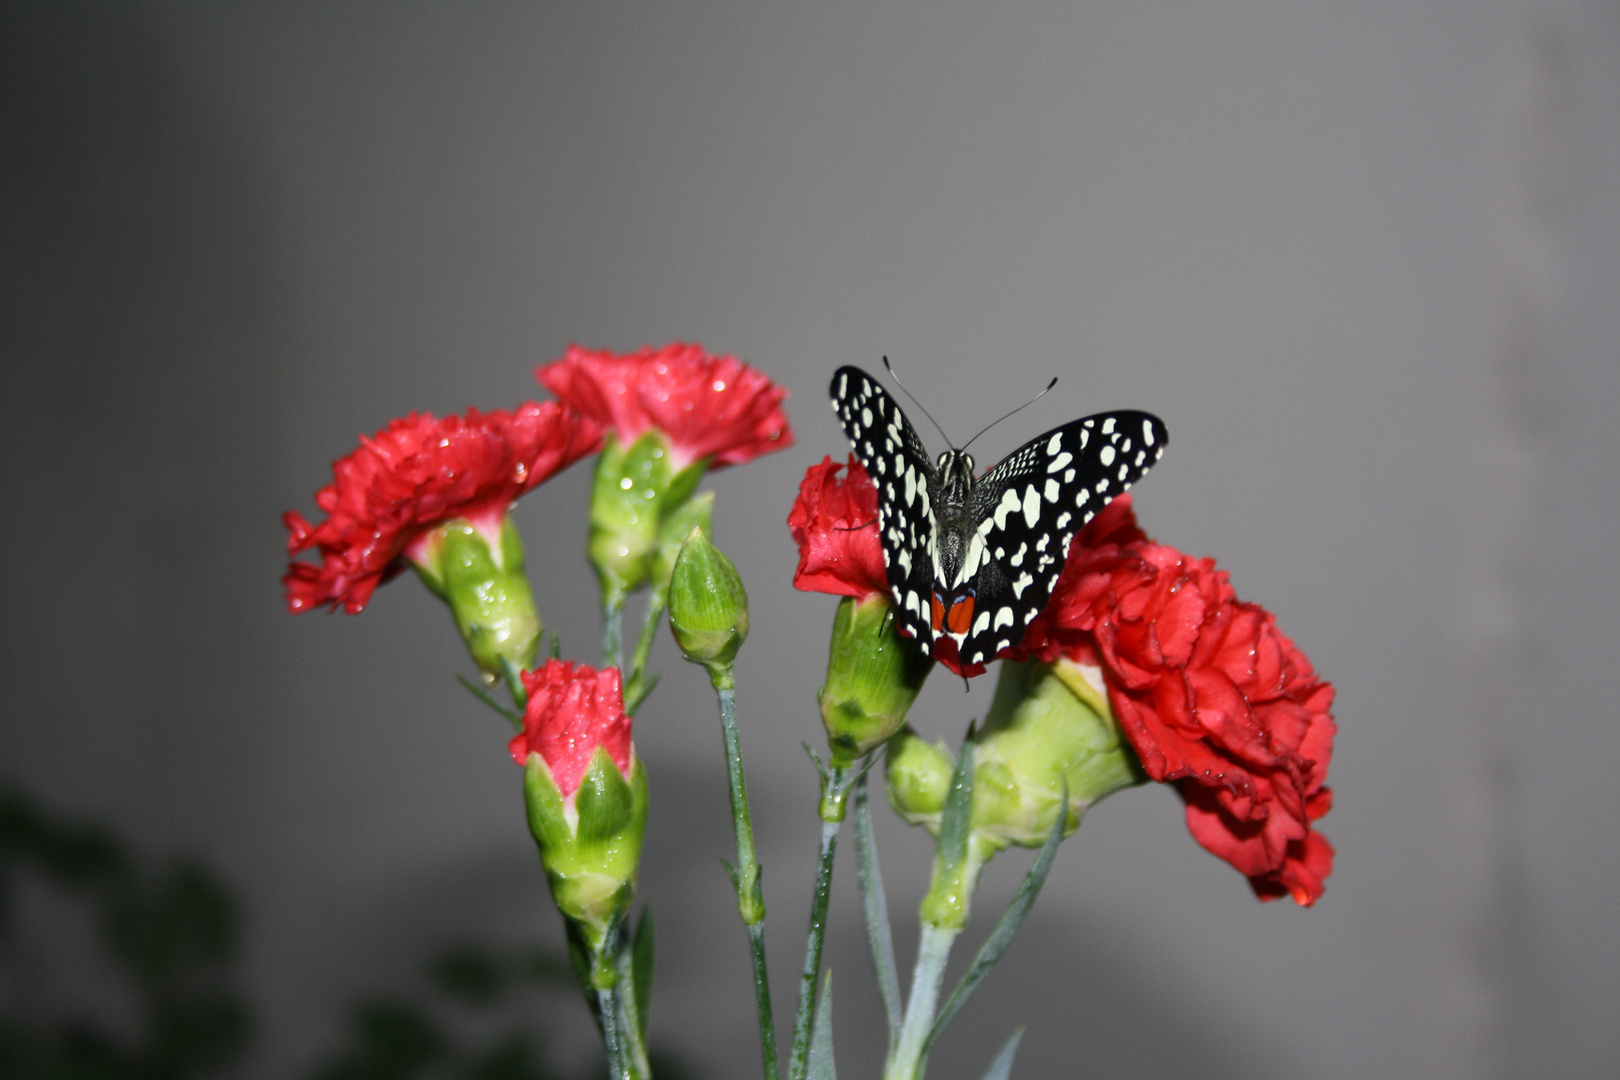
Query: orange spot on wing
961,616
936,614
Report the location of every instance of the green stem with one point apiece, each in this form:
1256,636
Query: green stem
762,1002
750,895
799,1055
613,631
649,631
906,1060
607,1005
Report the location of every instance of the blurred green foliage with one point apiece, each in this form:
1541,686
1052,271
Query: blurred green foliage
168,936
157,998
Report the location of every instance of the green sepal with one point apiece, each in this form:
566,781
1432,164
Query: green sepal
487,591
633,490
1048,731
590,842
873,676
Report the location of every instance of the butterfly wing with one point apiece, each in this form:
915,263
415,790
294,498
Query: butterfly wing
908,489
1031,505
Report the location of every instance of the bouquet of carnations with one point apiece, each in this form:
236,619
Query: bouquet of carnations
1122,660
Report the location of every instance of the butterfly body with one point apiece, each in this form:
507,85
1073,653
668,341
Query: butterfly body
973,560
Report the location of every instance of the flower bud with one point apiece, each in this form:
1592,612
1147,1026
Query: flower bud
708,607
1049,727
589,839
586,794
873,676
481,577
919,778
635,487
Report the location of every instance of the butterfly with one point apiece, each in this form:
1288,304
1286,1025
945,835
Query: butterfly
974,559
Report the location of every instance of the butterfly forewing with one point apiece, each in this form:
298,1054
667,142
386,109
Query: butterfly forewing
1023,514
1031,505
907,485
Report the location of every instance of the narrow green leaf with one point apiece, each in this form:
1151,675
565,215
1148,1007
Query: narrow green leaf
1006,926
640,687
815,759
642,967
956,820
876,908
478,692
821,1042
1001,1067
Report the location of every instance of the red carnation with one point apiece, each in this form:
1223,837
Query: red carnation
706,406
1211,695
417,473
572,710
834,522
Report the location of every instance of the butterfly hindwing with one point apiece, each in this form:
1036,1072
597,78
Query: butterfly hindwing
907,484
1029,507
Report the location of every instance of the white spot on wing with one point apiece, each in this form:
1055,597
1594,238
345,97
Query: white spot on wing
1008,503
1032,506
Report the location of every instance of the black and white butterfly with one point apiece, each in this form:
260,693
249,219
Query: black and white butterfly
975,559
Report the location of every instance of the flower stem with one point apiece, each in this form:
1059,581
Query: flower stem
607,1004
762,1002
613,630
906,1059
799,1055
649,631
835,783
750,896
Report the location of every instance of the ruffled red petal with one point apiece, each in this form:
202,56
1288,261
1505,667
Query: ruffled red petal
706,406
572,710
417,473
834,522
1210,695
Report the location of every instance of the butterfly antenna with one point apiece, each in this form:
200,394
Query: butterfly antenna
1020,409
887,367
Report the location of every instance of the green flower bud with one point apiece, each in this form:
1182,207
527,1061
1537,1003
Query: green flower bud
634,490
482,579
1048,727
919,778
873,676
590,842
708,607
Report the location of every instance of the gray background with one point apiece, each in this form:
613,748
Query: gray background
1362,259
